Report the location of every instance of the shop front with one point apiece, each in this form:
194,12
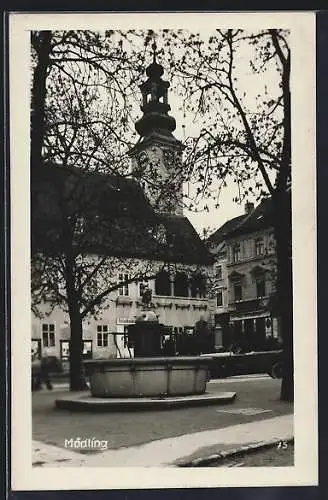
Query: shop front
252,332
35,349
64,352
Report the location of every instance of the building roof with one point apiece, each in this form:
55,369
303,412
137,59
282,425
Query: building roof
106,215
258,219
221,233
185,240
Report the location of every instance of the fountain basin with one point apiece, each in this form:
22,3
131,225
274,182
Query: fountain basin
147,377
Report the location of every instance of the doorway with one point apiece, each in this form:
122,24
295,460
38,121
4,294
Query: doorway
250,334
260,332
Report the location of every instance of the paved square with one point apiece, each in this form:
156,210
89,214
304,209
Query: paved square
125,429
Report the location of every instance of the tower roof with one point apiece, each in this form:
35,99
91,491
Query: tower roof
155,105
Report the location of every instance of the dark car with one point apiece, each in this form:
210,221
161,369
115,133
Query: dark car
227,364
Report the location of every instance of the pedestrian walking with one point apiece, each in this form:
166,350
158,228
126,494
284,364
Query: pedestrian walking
35,375
45,371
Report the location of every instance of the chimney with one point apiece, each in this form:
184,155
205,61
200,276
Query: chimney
249,207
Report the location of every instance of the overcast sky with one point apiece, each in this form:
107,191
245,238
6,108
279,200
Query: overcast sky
228,209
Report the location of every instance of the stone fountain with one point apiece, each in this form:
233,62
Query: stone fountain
148,380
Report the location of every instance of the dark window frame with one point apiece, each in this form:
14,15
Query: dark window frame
48,335
260,287
238,296
123,289
181,285
102,335
259,246
219,293
198,286
218,272
163,284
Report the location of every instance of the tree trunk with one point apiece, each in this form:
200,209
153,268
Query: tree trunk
77,379
76,375
41,42
282,229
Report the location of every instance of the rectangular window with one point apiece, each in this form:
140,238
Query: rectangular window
259,246
260,287
238,291
219,298
124,287
236,255
142,287
102,335
80,224
48,335
219,272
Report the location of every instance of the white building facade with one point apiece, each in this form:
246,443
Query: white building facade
106,336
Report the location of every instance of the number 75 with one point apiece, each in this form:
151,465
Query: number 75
282,445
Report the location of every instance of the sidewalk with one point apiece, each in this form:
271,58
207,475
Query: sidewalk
175,451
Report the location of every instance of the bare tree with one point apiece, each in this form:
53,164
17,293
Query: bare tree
89,220
84,222
86,229
238,83
87,63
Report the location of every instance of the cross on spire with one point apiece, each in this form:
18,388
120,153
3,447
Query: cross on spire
154,47
155,99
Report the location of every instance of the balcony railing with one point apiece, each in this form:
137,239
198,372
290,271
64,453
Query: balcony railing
168,302
249,304
189,303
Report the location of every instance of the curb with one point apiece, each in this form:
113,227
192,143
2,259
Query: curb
80,404
235,452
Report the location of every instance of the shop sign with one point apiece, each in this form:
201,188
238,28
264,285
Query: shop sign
126,321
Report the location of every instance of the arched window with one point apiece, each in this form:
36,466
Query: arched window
162,283
181,285
198,286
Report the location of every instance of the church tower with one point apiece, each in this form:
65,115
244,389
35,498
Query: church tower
156,160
